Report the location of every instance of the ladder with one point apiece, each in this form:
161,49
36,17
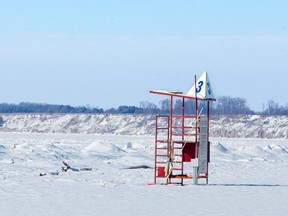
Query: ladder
175,143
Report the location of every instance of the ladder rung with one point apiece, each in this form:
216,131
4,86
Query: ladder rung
184,135
186,176
183,141
162,141
164,162
182,177
177,169
184,127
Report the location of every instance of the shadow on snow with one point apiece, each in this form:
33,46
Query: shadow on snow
249,185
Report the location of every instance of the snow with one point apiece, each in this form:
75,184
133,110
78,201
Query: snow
110,174
247,126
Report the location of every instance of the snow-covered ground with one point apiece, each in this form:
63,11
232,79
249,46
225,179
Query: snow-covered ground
247,177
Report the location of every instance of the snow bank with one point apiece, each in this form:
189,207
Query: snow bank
102,148
247,126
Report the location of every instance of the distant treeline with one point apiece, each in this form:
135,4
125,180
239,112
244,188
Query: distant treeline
224,105
26,107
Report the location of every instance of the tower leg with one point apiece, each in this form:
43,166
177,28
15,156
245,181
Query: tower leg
195,175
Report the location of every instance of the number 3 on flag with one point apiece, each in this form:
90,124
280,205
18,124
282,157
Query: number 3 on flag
200,84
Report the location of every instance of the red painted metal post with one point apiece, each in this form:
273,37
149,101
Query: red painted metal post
183,116
171,116
155,150
183,136
196,115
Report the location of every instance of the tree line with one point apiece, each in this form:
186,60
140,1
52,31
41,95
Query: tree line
27,107
225,105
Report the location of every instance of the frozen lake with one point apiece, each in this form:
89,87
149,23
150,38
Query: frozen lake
247,177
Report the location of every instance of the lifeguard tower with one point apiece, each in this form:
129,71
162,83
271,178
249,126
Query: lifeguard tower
182,150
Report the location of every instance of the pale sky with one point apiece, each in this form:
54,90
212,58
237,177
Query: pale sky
111,52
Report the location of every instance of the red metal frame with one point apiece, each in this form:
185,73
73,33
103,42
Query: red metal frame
172,142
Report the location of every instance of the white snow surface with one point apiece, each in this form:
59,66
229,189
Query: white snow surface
246,126
247,176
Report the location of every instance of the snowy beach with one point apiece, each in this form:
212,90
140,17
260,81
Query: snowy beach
109,175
